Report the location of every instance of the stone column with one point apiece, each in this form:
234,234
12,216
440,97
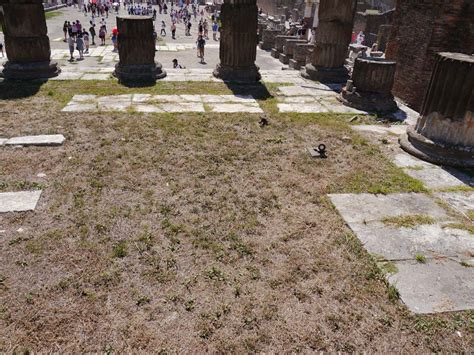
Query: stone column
26,41
371,86
136,47
383,37
444,133
238,45
334,33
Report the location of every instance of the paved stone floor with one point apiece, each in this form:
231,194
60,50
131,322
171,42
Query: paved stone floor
146,103
19,201
444,282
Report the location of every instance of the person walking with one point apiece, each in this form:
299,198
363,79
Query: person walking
80,46
163,29
215,29
71,44
93,33
173,30
200,47
85,37
102,34
65,28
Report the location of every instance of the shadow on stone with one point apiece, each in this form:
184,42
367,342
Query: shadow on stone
258,90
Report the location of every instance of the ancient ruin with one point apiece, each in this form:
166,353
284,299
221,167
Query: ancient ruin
332,40
420,30
26,42
370,88
136,47
444,133
238,47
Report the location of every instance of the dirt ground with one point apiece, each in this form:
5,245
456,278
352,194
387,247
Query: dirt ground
195,232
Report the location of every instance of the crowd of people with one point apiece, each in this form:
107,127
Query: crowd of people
80,39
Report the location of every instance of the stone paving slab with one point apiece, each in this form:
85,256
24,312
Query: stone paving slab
430,240
306,108
19,201
363,208
437,286
462,201
147,103
440,284
379,129
3,141
40,140
236,108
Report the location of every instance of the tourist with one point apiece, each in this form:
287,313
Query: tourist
85,37
114,40
206,29
74,29
65,30
163,29
215,29
173,30
93,33
80,46
176,65
71,44
360,38
102,34
200,47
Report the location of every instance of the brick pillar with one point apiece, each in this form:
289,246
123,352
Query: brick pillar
444,133
26,41
136,47
238,44
334,33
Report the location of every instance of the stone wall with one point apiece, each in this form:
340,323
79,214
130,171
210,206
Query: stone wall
370,23
422,29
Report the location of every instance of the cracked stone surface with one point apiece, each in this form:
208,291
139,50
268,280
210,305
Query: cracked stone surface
441,283
462,201
41,140
19,201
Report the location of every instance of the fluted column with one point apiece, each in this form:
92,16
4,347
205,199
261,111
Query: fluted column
444,133
136,47
370,88
26,40
334,33
238,43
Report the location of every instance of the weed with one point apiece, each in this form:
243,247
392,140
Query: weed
408,221
120,250
393,293
461,226
189,305
420,258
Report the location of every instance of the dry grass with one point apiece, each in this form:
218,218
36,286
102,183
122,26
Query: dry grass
192,231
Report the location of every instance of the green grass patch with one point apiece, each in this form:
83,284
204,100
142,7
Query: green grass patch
410,221
51,14
461,226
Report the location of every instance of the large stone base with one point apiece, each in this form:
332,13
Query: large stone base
30,71
284,58
139,73
275,53
368,101
295,64
424,148
325,75
247,74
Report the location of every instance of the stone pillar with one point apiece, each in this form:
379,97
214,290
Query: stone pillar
333,37
238,45
26,41
383,37
371,86
444,133
136,47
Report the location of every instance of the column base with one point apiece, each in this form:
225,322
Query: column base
369,101
139,73
246,74
30,71
414,143
325,75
